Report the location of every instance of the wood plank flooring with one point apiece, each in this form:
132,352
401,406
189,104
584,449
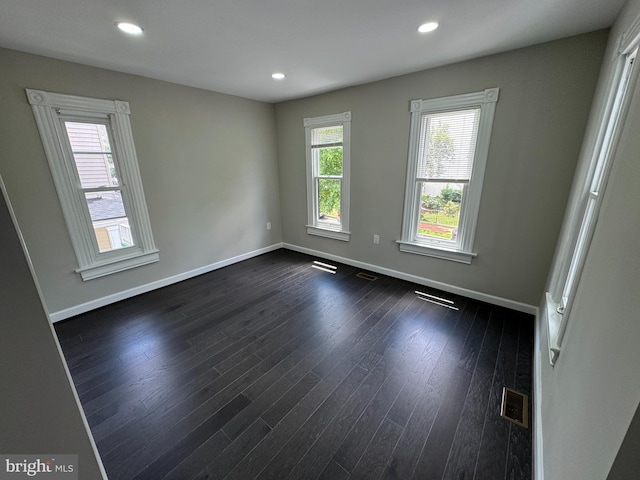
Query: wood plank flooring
273,369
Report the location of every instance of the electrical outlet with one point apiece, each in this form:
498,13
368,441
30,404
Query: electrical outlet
376,239
268,225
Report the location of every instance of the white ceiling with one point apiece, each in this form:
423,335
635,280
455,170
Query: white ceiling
233,46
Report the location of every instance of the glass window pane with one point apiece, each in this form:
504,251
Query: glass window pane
331,161
440,210
329,191
113,235
105,205
110,223
88,137
92,154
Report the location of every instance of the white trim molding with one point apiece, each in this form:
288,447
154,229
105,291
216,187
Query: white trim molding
329,233
315,226
51,110
483,297
583,210
116,297
482,106
72,386
553,321
430,251
132,292
537,449
628,40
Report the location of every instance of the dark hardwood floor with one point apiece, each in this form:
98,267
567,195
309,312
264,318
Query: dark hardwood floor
272,369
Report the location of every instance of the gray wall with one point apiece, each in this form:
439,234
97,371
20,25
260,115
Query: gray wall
215,169
545,97
589,399
208,164
627,463
38,412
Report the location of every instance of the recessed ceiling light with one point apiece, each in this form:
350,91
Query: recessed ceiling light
428,27
130,28
278,76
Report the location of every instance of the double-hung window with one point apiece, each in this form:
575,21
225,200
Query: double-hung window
582,216
89,147
449,144
328,170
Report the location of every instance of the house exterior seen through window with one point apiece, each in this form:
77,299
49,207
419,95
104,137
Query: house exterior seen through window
94,163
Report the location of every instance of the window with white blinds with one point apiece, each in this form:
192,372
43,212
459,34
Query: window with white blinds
449,143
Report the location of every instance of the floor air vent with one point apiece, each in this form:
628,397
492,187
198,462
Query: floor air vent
515,407
366,276
443,302
325,267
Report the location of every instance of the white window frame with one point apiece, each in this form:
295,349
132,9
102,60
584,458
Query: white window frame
583,214
460,249
49,110
314,225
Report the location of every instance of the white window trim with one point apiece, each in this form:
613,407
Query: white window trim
583,214
462,249
92,264
314,227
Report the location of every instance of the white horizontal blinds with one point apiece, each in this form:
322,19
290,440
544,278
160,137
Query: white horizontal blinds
326,136
447,145
326,145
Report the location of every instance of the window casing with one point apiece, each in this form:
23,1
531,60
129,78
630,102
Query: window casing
448,148
328,146
565,280
89,146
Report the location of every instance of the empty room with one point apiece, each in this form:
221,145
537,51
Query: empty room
285,240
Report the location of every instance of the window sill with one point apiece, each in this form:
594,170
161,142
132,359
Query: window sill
553,319
118,265
329,233
431,251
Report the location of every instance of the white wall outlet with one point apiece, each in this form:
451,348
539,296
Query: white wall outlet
376,239
268,225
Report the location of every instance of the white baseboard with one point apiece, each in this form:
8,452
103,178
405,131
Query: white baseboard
537,450
27,256
116,297
518,306
483,297
132,292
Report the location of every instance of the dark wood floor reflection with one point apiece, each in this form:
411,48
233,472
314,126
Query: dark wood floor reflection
273,369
